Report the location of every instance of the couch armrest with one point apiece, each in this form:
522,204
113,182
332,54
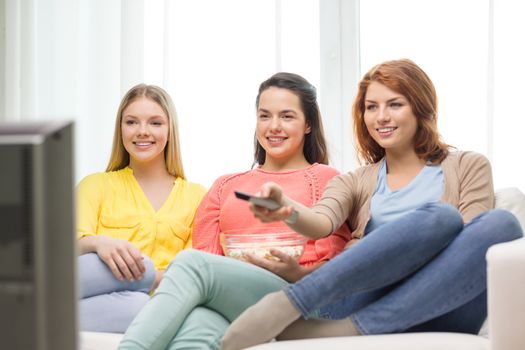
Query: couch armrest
506,295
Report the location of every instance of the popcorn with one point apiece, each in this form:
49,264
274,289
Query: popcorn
238,244
295,251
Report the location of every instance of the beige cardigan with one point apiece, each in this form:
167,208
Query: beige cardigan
468,186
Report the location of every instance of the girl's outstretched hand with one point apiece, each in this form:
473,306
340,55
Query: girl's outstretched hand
274,192
284,266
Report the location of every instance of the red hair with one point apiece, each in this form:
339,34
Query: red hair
406,78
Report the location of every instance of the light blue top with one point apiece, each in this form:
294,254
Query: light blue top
387,205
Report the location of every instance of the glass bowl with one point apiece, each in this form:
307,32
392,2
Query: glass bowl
236,244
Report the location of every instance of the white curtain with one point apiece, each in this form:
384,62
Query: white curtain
473,51
211,57
63,60
508,142
75,59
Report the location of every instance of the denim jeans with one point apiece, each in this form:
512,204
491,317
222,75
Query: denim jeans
198,297
107,304
425,271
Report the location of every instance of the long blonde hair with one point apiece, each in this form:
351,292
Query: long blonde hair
120,157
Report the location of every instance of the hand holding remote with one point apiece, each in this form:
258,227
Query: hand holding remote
267,203
268,209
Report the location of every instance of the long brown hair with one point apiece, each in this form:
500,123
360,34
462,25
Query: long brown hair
120,157
406,78
314,150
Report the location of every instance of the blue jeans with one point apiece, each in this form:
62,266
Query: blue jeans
107,304
423,272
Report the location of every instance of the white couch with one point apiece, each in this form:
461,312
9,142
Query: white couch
506,308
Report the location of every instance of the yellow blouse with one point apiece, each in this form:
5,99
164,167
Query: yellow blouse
113,204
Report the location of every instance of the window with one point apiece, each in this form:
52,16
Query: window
434,34
211,57
470,51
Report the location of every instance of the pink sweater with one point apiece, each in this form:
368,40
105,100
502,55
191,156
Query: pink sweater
221,211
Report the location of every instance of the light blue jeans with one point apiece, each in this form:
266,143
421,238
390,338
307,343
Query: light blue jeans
423,272
107,304
198,297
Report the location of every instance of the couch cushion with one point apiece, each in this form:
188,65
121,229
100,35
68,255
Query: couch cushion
406,341
513,200
99,341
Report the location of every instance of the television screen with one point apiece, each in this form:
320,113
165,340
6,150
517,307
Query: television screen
37,236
